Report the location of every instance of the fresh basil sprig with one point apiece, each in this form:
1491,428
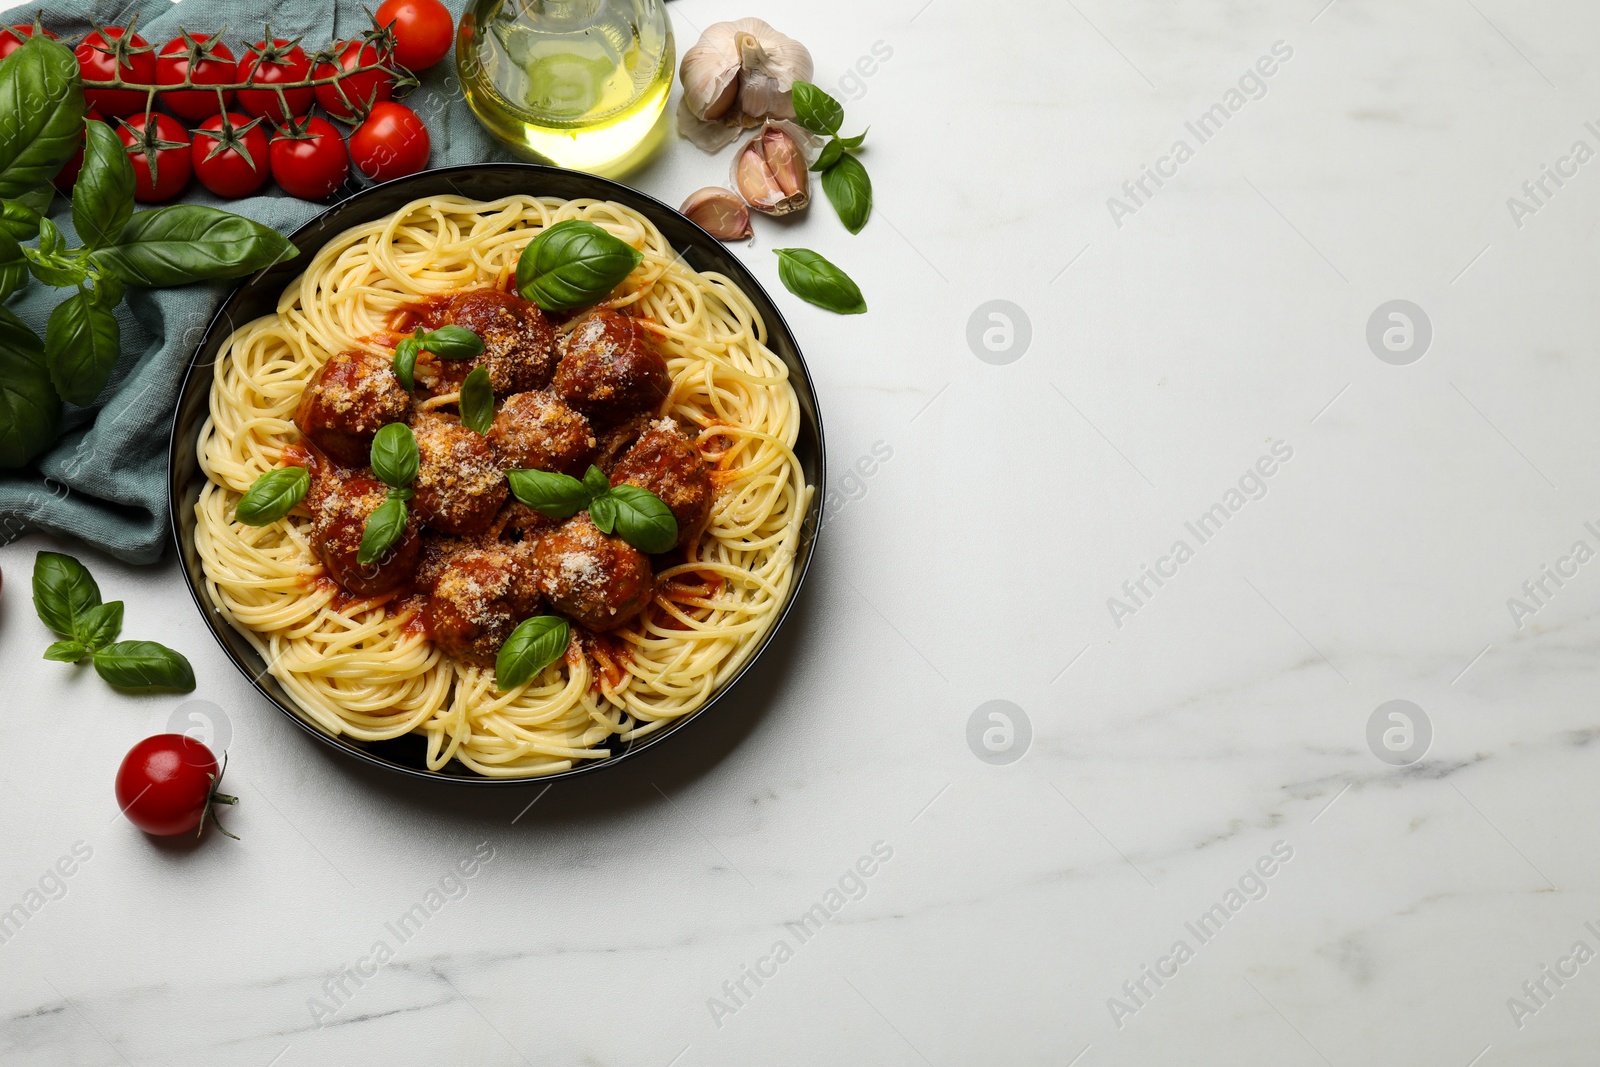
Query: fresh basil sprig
533,645
477,401
574,264
396,461
447,342
814,279
68,601
272,496
634,513
844,178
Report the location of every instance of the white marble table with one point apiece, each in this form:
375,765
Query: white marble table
1195,766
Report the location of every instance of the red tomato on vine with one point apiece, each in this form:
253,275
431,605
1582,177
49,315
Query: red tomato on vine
392,143
275,63
201,60
112,54
230,155
423,31
159,152
11,38
309,160
354,93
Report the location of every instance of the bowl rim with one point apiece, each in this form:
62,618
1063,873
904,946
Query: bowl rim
607,189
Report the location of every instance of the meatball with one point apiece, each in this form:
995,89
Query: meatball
352,397
459,487
667,463
519,343
479,597
600,581
616,441
539,431
610,369
340,508
437,551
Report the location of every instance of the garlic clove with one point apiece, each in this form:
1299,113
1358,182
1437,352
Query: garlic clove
757,184
769,170
783,158
720,212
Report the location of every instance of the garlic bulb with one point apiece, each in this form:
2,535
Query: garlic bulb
736,75
720,212
770,170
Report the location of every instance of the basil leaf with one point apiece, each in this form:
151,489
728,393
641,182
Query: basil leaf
603,512
99,626
383,531
643,520
102,199
451,342
829,155
595,480
558,496
188,243
477,401
19,219
81,343
63,590
13,265
66,652
30,410
49,265
272,496
816,281
41,114
144,666
573,264
394,455
533,645
849,189
405,362
850,144
816,110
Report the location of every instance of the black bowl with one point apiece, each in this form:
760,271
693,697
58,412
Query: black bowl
258,295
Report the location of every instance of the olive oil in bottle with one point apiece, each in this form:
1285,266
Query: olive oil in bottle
578,83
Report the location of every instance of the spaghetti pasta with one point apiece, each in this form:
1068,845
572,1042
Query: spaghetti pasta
366,668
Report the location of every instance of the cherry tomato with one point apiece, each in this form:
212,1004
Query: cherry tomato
104,56
167,143
392,143
11,38
423,30
67,176
353,93
264,64
230,155
167,784
202,61
310,161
